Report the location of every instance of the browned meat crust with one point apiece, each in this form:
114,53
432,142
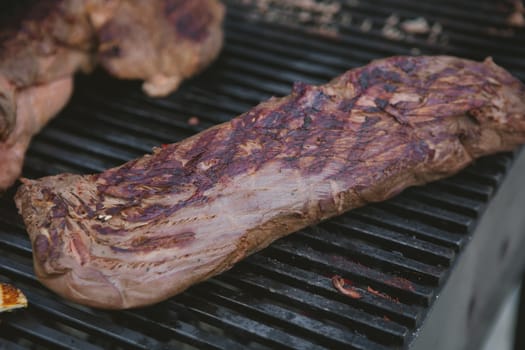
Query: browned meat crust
139,233
161,42
11,298
181,40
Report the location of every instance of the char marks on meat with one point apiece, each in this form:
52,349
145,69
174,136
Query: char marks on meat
162,42
142,232
43,43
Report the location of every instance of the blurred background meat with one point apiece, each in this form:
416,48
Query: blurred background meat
43,43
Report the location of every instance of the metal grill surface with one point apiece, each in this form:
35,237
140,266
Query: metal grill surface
396,254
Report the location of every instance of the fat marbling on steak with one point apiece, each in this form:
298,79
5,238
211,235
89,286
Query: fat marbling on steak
43,43
142,232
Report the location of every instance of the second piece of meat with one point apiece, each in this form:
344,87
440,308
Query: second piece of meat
42,42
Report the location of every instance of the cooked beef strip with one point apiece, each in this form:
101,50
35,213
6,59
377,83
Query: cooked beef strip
147,230
42,42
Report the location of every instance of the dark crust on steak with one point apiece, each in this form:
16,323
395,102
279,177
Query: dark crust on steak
191,18
144,231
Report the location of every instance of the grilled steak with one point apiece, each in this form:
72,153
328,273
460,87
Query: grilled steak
142,232
43,42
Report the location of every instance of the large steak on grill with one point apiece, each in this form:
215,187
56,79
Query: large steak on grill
142,232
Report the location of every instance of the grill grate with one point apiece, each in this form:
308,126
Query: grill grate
396,254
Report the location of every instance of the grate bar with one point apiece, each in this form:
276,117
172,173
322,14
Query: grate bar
91,323
465,45
14,241
78,143
378,304
432,195
42,334
434,12
97,324
405,243
362,50
439,217
178,329
464,187
42,165
410,292
128,125
369,253
225,318
80,160
6,344
289,69
133,108
259,308
108,135
377,328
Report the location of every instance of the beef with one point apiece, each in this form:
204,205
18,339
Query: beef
43,42
160,42
147,230
40,42
35,106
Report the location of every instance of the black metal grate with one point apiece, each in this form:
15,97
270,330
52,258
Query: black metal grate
396,254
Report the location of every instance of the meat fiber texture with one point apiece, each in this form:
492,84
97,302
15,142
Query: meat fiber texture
142,232
43,43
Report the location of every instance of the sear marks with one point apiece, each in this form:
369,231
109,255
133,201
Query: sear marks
162,42
150,228
190,18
